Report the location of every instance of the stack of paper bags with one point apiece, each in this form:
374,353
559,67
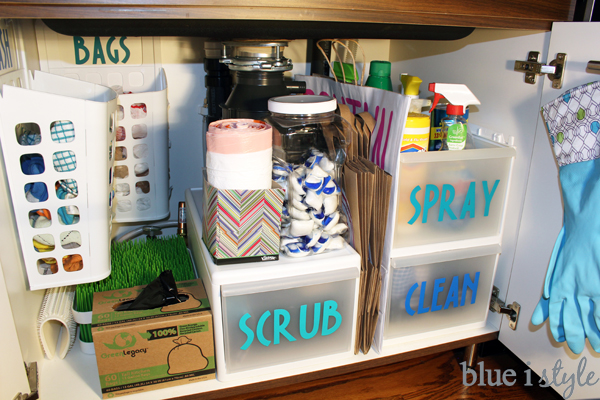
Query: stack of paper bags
367,188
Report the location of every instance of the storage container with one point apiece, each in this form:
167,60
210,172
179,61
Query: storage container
58,143
446,290
446,196
241,225
279,316
310,142
131,66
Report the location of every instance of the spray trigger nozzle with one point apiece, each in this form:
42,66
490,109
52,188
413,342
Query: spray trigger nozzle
436,99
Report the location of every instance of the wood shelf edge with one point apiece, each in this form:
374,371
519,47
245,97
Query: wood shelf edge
340,370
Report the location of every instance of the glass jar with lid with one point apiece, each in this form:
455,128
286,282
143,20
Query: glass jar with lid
310,143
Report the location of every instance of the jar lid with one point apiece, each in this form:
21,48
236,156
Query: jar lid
302,104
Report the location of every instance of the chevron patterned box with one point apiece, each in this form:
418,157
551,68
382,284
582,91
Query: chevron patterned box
242,226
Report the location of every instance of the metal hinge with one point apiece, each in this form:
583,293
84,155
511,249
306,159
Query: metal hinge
32,377
512,311
532,68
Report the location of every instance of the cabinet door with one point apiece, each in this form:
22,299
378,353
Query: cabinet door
540,224
483,61
13,378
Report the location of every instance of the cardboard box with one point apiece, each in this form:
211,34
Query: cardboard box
241,226
138,351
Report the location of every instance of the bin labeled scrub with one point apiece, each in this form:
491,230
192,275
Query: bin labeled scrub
281,316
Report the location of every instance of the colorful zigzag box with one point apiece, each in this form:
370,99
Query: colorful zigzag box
242,226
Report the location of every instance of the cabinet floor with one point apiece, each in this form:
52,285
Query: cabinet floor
434,377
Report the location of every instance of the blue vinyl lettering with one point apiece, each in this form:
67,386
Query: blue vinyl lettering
470,284
260,329
279,326
437,289
488,195
469,204
432,194
452,296
316,319
330,310
416,204
409,295
445,202
249,333
422,309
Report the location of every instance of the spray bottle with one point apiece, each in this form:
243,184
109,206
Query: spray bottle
411,85
454,126
416,131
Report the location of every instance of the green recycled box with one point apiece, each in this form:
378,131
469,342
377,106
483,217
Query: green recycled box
139,351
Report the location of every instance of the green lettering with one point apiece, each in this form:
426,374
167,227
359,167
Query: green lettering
113,57
98,53
125,49
79,45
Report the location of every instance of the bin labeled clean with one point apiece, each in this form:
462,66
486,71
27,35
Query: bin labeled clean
431,292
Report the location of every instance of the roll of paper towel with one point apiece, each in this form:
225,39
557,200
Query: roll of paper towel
239,154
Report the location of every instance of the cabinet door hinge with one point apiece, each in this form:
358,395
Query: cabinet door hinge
32,377
533,67
512,311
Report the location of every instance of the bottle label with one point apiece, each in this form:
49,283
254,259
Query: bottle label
457,136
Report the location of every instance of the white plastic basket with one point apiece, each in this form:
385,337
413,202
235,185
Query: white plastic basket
79,225
143,154
130,65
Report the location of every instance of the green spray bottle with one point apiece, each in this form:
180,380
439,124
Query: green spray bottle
454,126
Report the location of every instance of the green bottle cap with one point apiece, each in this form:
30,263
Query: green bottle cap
380,68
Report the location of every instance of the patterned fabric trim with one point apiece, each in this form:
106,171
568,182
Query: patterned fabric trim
573,122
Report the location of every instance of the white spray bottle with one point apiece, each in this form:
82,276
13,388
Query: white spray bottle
454,126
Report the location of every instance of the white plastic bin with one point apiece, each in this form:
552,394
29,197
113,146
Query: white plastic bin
58,143
447,196
288,314
130,65
439,291
142,155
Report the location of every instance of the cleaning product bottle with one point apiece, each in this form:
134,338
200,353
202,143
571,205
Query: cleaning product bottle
347,61
454,126
379,75
411,85
416,130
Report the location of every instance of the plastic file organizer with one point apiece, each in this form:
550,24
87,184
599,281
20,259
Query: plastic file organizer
130,65
58,143
288,314
443,242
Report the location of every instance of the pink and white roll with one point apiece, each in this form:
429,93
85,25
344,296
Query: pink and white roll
239,154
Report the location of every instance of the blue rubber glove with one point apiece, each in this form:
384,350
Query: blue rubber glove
571,295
